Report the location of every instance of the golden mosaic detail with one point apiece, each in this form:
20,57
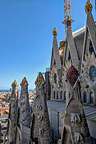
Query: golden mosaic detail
88,7
55,32
39,80
61,51
14,84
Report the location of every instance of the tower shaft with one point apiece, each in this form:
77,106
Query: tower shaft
67,14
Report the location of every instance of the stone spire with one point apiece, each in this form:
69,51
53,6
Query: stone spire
24,104
40,130
75,124
69,37
24,84
39,80
14,88
55,59
71,45
13,114
90,31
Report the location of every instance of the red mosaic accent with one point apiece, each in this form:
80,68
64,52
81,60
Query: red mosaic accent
24,82
72,75
39,79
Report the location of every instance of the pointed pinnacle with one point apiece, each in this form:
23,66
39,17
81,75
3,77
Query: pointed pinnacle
39,80
14,84
55,32
88,7
24,82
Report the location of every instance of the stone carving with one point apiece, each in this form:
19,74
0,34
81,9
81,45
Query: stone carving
40,117
78,138
89,68
75,118
88,77
89,50
41,131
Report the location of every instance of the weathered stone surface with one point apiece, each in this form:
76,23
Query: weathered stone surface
13,114
25,116
40,129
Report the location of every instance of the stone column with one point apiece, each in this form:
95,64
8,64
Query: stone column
94,97
88,96
52,93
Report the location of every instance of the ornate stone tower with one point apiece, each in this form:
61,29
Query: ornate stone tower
13,114
55,59
40,130
88,67
75,124
55,68
69,37
25,116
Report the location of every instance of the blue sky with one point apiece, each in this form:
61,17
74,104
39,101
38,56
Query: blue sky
26,36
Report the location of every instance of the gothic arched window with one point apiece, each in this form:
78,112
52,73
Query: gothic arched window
84,97
55,78
91,48
92,73
91,97
69,56
57,94
64,95
54,62
61,95
54,94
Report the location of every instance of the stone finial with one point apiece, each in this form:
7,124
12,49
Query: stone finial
88,7
14,84
24,82
39,80
55,32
